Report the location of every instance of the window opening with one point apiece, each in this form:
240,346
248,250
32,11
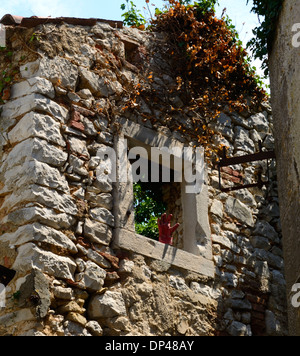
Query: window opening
153,199
149,205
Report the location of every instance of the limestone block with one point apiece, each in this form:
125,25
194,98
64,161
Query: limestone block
77,318
78,166
272,324
85,94
34,148
223,125
243,304
43,152
98,85
103,183
6,122
107,305
229,279
242,141
239,329
89,128
22,315
102,215
263,228
104,200
126,266
92,278
78,147
73,328
3,142
270,258
240,121
217,208
260,122
260,242
94,328
97,232
39,233
81,265
225,241
101,29
63,293
105,138
23,105
30,69
42,195
98,259
196,226
269,141
58,70
36,283
30,256
178,283
240,211
33,172
246,197
33,85
165,254
37,125
44,216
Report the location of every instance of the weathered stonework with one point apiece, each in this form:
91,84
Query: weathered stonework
62,220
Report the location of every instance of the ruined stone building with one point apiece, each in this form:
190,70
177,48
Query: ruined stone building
70,258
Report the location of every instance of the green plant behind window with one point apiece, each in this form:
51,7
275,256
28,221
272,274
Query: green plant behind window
149,206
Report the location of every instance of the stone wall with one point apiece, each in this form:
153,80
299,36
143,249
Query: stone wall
285,75
64,222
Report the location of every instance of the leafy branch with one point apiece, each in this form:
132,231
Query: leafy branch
148,206
262,43
132,17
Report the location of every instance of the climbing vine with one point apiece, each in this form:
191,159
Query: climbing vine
7,73
264,34
211,68
11,59
210,63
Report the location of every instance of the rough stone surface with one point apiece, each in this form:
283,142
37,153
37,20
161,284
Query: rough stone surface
92,278
97,232
239,211
108,305
58,70
33,86
30,256
25,104
37,125
67,222
40,234
33,172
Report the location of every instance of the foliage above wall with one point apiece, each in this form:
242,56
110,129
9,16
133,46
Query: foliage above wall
212,69
132,17
211,63
262,43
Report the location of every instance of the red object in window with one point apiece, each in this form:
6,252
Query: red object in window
165,229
